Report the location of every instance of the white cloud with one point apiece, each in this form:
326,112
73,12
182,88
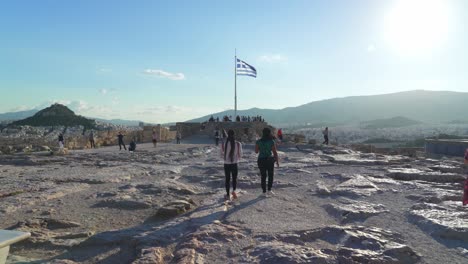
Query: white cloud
164,74
20,108
272,58
371,48
103,91
104,70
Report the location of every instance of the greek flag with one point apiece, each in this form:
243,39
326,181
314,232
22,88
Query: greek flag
245,69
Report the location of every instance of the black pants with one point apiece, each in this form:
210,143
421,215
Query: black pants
266,165
91,141
121,143
326,140
217,141
230,169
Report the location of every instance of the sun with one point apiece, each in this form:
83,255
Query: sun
417,26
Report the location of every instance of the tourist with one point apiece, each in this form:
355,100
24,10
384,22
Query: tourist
132,146
231,152
91,139
267,156
216,135
121,142
60,141
178,137
280,134
325,136
155,138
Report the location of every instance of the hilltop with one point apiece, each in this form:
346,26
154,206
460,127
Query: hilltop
55,115
425,106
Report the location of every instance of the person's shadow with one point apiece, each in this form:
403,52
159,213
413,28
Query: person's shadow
120,246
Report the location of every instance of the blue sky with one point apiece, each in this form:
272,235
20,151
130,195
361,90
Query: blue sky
162,61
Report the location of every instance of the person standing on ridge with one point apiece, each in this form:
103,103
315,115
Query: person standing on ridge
216,135
325,136
155,138
267,156
91,139
60,141
231,152
280,134
178,137
121,142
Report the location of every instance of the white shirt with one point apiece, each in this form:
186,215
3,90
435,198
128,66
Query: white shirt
237,152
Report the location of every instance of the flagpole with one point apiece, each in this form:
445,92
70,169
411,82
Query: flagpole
235,83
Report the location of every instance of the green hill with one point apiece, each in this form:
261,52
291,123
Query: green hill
55,115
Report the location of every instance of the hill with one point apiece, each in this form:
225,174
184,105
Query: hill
398,121
15,116
426,106
55,115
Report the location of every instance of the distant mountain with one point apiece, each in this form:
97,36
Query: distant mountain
13,116
398,121
425,106
55,115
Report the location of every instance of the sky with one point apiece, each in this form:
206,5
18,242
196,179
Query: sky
167,61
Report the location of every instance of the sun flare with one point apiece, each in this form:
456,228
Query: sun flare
417,26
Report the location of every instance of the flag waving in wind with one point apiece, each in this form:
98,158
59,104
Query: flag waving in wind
243,68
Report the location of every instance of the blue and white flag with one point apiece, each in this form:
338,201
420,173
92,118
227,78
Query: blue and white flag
245,69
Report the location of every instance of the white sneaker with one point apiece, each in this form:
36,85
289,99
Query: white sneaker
264,194
271,192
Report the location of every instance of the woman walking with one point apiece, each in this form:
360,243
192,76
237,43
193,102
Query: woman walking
267,156
231,151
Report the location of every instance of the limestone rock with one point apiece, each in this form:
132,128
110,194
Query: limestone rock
151,255
406,174
349,210
173,209
277,252
446,220
355,187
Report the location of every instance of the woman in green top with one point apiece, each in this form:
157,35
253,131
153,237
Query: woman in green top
267,156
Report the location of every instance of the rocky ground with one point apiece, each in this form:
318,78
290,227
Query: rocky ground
165,205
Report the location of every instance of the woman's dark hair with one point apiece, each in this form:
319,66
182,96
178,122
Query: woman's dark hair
231,139
266,134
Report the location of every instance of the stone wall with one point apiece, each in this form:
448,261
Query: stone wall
164,134
42,138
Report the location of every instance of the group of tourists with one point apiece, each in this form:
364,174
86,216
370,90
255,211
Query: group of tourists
226,118
231,152
131,146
